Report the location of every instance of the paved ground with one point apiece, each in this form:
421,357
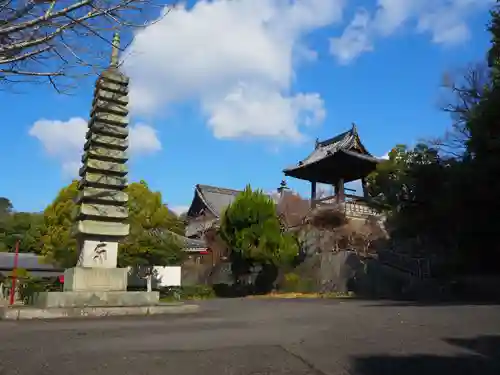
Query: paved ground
263,337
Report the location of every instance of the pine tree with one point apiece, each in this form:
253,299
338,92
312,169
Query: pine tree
251,229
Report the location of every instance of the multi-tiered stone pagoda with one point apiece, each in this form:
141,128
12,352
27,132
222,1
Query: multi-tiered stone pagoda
101,213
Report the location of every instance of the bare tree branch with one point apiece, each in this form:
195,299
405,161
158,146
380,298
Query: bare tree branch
61,41
464,90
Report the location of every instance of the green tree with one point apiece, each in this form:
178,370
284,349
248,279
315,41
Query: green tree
494,51
19,226
448,201
387,182
148,216
484,167
25,227
251,229
57,243
418,190
33,223
394,183
151,222
5,206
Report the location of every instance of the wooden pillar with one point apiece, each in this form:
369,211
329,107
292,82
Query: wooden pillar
339,191
313,194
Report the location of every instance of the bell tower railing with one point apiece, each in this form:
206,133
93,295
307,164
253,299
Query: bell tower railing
353,206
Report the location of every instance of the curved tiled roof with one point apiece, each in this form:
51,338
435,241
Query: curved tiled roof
216,198
31,262
28,261
187,243
195,227
343,142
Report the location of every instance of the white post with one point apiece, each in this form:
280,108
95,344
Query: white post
149,279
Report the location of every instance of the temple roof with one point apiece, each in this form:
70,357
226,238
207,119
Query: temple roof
197,227
207,198
31,262
341,156
215,200
188,244
28,261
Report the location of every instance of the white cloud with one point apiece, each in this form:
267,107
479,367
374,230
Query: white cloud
355,39
236,59
444,20
64,140
143,140
253,111
385,156
178,210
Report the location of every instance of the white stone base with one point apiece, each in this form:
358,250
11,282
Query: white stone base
29,313
97,299
94,253
80,279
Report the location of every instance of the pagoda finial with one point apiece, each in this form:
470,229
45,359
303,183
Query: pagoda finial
283,187
354,128
115,49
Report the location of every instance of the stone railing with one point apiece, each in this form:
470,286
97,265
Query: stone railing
359,209
353,206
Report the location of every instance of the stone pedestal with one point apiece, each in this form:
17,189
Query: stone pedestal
86,279
46,300
95,287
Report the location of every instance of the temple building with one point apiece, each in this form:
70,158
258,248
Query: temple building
337,161
202,218
204,214
34,264
206,208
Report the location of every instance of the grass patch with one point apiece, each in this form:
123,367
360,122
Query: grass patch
184,298
289,295
186,293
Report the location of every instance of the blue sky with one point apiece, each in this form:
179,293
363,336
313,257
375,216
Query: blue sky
230,93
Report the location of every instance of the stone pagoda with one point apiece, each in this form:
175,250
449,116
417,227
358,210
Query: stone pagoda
101,213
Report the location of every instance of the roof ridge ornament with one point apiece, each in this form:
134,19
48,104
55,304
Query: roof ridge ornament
354,128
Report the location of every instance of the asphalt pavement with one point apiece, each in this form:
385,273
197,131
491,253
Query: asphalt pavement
250,337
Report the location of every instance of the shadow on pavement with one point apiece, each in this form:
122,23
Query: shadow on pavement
425,303
485,361
395,302
487,346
